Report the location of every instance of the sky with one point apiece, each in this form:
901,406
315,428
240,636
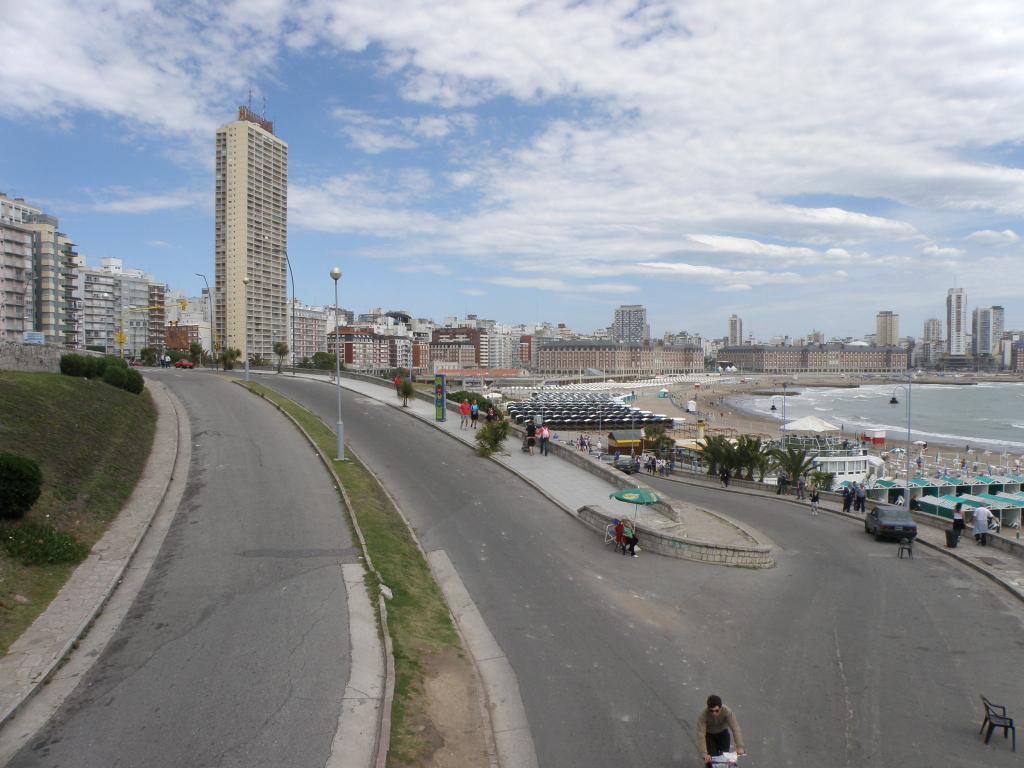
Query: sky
800,164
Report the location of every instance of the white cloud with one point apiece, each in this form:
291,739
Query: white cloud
937,250
991,237
473,291
158,244
127,203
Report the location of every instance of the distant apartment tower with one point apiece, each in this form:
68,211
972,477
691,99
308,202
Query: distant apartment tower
735,330
16,283
251,236
932,330
630,324
887,329
956,322
986,329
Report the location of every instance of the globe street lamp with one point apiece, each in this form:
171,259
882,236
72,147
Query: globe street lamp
245,326
894,401
336,276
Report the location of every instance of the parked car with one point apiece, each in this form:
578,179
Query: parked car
887,521
184,364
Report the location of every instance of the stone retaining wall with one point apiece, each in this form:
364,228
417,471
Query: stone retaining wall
598,518
30,358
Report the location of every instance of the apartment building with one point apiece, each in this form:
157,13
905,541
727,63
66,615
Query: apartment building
956,322
887,329
630,324
825,358
251,236
16,283
641,360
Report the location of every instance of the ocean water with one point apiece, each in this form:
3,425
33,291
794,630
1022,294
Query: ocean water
986,415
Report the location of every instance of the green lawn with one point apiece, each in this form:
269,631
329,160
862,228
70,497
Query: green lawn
91,441
418,618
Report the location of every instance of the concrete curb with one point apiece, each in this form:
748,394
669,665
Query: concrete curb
36,656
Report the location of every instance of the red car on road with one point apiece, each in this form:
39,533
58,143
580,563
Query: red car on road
184,364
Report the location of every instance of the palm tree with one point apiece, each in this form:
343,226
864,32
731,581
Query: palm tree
229,356
793,460
719,454
280,349
748,448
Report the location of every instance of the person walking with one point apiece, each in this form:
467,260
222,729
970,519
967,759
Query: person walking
862,498
981,517
814,498
531,436
801,486
545,435
464,412
847,498
474,414
958,522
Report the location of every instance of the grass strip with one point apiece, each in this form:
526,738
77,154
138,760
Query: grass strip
418,618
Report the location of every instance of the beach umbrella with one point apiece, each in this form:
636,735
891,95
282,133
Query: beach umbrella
636,497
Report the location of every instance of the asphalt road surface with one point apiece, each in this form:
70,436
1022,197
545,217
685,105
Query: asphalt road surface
235,652
843,655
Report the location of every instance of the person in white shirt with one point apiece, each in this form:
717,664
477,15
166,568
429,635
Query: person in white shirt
981,518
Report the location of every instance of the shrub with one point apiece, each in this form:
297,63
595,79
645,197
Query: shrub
34,544
473,397
134,382
116,376
21,482
490,436
74,365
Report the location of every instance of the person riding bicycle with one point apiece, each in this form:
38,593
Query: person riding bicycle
714,725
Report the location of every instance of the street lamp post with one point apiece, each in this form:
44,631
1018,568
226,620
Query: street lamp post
336,276
245,326
213,323
894,401
291,276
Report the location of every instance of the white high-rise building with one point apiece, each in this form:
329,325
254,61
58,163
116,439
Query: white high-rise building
956,321
932,330
630,324
887,329
735,330
986,329
251,236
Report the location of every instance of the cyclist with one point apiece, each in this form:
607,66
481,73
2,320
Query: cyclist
714,725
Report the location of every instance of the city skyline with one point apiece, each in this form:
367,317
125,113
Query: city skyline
586,164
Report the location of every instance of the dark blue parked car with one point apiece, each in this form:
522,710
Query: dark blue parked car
887,521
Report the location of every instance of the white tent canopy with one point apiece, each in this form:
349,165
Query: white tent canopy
809,424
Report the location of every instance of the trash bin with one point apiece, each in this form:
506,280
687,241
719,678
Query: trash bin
950,538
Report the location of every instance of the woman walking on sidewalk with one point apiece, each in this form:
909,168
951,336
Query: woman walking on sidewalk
814,498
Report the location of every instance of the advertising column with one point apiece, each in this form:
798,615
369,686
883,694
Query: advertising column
440,394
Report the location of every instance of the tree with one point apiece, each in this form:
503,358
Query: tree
657,440
719,454
148,355
794,461
229,357
324,361
823,480
280,349
406,390
195,352
748,451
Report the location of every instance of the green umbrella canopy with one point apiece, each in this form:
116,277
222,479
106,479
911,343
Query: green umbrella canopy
636,496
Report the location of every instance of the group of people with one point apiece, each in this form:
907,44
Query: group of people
535,435
470,415
855,496
626,537
981,519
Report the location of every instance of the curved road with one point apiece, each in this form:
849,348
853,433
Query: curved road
235,652
842,655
